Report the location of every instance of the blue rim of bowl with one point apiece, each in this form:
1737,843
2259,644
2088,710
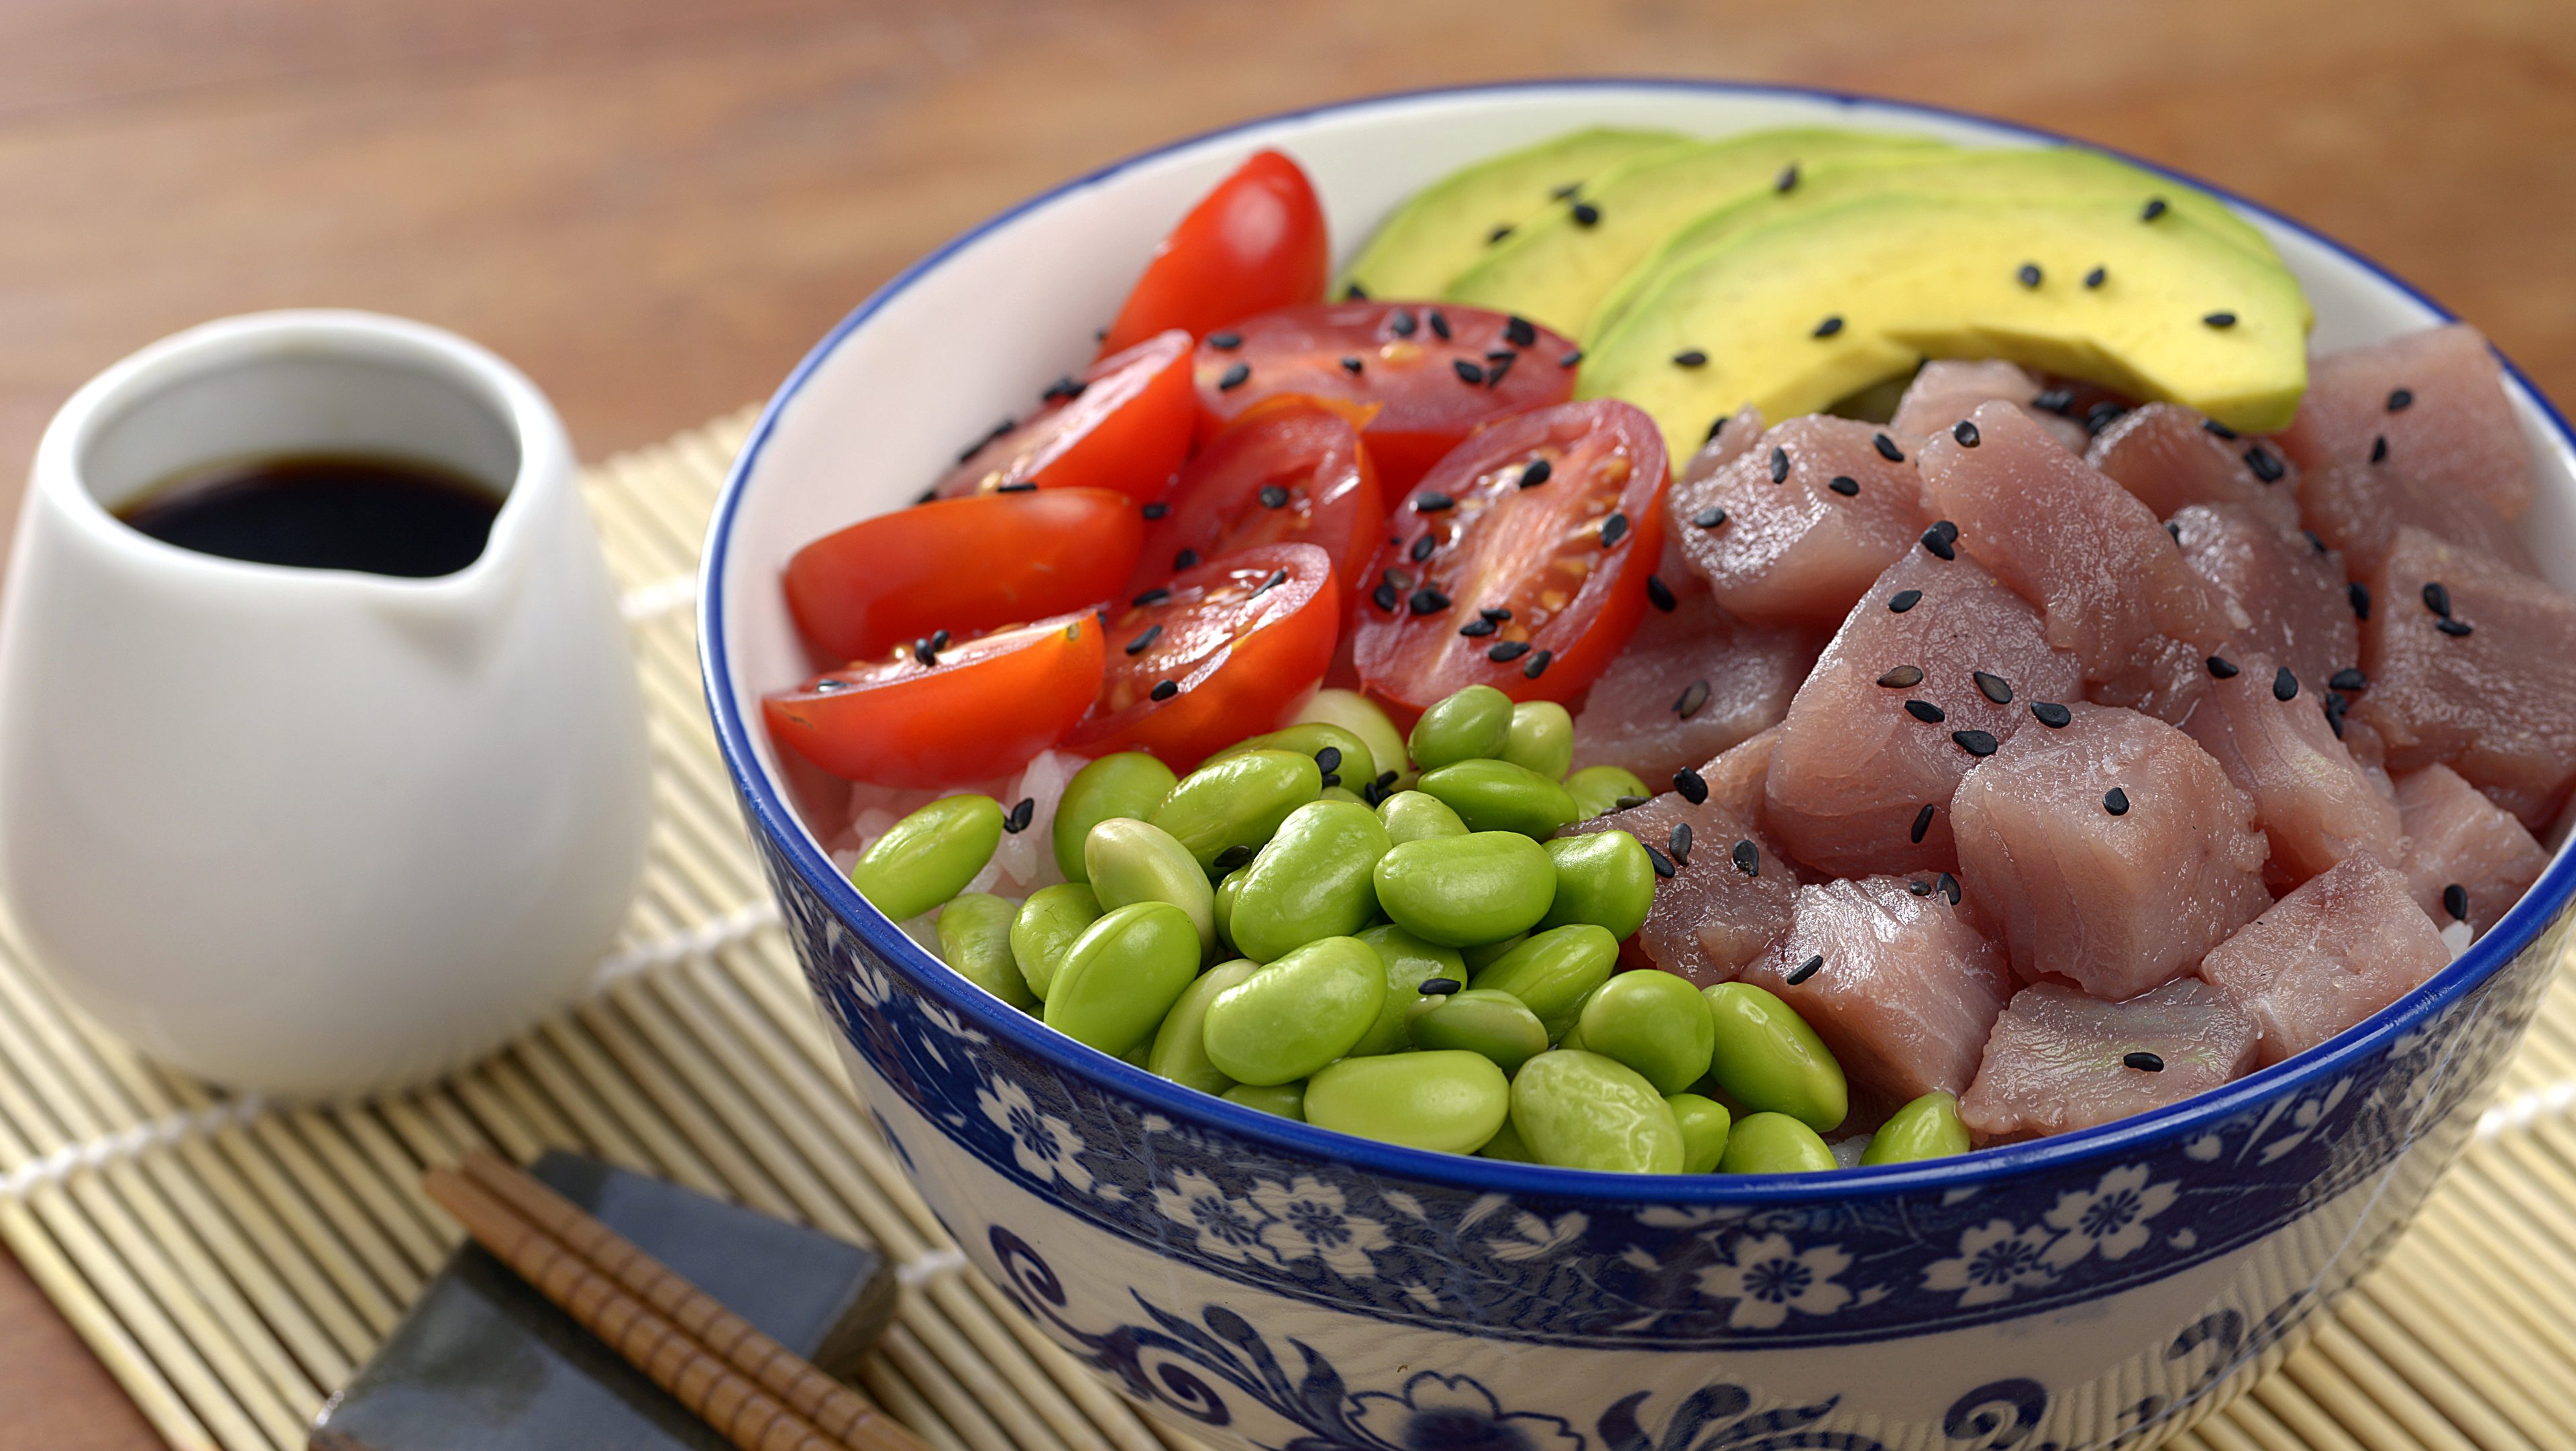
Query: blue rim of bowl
2126,1137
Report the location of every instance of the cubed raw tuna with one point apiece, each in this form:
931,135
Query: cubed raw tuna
2169,457
2485,684
1906,991
2357,509
2456,837
2060,1060
2114,851
1731,439
2293,593
2164,678
1692,681
1871,751
1735,776
1712,915
1949,389
2326,956
1800,523
2316,805
2437,400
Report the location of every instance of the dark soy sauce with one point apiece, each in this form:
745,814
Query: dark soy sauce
325,511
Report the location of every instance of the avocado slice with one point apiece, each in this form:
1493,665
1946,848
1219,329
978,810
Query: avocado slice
1817,306
1444,228
1556,272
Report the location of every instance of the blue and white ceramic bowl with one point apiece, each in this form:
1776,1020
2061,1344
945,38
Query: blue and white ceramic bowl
1266,1284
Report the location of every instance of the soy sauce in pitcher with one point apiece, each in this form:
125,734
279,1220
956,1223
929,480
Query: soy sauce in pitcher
374,514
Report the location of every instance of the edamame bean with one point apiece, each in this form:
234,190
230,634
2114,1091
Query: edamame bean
1410,962
975,941
1773,1143
1467,726
1479,1020
1579,1110
1596,789
1048,923
1315,878
1341,793
1770,1061
1179,1052
1482,955
1506,1144
1451,1101
1354,765
1499,796
1604,878
1298,1014
1360,716
1927,1128
1704,1122
1226,893
1122,975
1134,861
1541,738
929,856
1287,1100
1554,971
1462,890
1125,783
1237,801
1412,815
1655,1023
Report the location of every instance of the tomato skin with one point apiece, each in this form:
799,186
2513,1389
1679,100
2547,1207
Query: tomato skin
963,565
1307,450
1126,429
1405,365
1535,551
1254,243
983,710
1238,649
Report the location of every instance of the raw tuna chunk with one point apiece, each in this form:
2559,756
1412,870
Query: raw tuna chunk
2357,509
1947,390
2493,696
1736,775
2292,592
2316,805
2167,456
1691,682
2326,956
1710,916
1907,992
2164,678
2438,399
2456,837
1732,440
2059,1060
1794,550
2117,900
1858,763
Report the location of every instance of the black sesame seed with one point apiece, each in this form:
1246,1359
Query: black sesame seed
1432,501
1068,388
1422,548
2051,714
1401,323
1022,486
1586,214
1234,856
2314,543
2144,1061
1144,640
1830,326
1689,782
1923,821
1438,987
1400,578
1993,687
1277,578
1536,472
1439,323
1427,601
2265,467
1845,485
939,639
1570,358
1903,600
1495,612
2102,415
1613,529
1926,712
1919,887
922,652
2379,449
1887,448
2456,629
1660,594
1518,332
2116,801
1165,689
1478,629
1678,845
2174,529
1537,665
2455,900
1663,864
1693,699
2349,678
928,494
1351,363
1710,517
1976,743
1501,364
1507,651
2437,598
1234,377
1779,465
2400,399
1385,779
1186,559
2097,276
1965,432
2221,667
2155,208
1939,543
1787,180
1716,426
1566,192
1273,497
1329,759
1690,358
1021,815
2285,686
2029,274
1154,596
1748,858
1949,887
1467,372
2335,707
1156,511
2054,400
1628,803
1226,341
2222,430
1805,970
1903,677
1498,233
829,686
2359,594
1353,292
2219,319
1384,597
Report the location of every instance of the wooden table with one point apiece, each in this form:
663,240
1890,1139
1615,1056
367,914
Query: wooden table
654,206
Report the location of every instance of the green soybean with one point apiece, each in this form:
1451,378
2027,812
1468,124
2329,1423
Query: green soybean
1604,878
1470,725
1226,893
1704,1123
1180,1052
1579,1110
1287,1100
1499,796
1482,955
1927,1128
975,941
1597,790
1506,1144
1655,1023
1360,716
1410,962
1297,1014
1048,923
1554,971
1462,890
1136,861
1341,793
929,856
1773,1143
1541,738
1451,1101
1412,815
1237,801
1315,878
1770,1061
1127,783
1122,975
1480,1020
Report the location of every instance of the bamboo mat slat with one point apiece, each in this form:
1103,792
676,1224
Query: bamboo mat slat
233,1263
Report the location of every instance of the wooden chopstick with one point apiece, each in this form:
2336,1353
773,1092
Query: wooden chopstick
707,1385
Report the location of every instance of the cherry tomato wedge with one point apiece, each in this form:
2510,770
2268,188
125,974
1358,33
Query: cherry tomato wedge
1283,473
1214,654
1254,243
1123,425
1536,574
982,708
963,565
1436,389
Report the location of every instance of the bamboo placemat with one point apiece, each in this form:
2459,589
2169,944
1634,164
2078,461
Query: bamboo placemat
233,1262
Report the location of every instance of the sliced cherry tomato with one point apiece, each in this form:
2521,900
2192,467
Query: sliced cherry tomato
1286,473
1437,389
1124,425
1214,654
981,708
963,565
1556,518
1254,243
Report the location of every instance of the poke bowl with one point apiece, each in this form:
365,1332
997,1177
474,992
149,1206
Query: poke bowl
1261,1282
